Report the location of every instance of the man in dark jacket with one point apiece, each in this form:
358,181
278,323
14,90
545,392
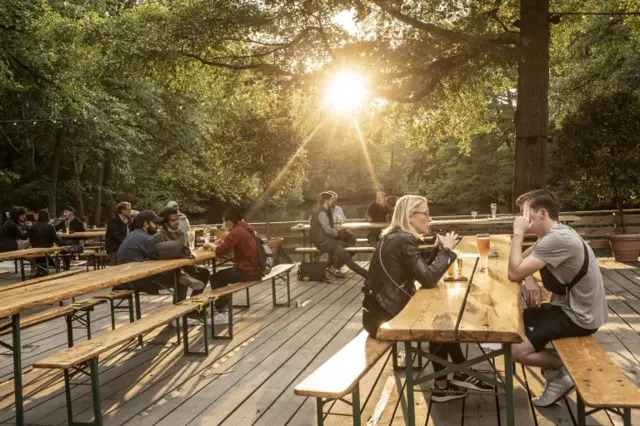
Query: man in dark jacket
10,232
43,235
193,276
118,227
70,223
326,239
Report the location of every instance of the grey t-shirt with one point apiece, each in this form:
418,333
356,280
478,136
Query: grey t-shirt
562,251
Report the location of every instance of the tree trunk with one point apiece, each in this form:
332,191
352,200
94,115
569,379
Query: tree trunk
98,200
532,112
77,173
53,177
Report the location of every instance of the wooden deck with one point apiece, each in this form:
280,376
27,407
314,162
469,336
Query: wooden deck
250,380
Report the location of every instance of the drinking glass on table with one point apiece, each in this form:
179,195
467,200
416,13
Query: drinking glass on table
474,214
494,210
206,234
484,244
455,269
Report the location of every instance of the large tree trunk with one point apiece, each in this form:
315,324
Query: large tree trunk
98,206
78,164
53,177
532,112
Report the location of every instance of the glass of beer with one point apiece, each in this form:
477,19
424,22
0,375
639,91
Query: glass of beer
455,269
206,234
494,210
484,244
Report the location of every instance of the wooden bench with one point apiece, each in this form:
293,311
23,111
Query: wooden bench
119,297
4,271
278,272
72,360
315,254
69,312
341,375
600,384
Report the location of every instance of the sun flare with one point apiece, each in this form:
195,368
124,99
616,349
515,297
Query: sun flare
346,92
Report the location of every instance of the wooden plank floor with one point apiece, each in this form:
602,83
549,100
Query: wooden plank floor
250,379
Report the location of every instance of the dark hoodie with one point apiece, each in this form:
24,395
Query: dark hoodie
242,240
10,232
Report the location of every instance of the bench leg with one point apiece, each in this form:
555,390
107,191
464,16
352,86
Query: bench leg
67,394
319,415
185,336
231,305
69,321
273,290
95,392
355,404
508,384
408,362
113,314
626,416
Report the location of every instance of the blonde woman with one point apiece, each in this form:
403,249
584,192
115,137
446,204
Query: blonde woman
395,266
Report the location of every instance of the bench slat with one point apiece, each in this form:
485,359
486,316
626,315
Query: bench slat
600,382
235,287
339,375
51,314
67,358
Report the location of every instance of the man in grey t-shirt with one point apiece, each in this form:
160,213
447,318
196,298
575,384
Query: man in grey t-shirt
569,269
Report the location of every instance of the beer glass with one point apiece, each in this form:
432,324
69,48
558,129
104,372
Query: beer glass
206,234
474,214
484,243
455,269
494,210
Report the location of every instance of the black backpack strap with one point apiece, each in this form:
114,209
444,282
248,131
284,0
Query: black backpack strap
583,270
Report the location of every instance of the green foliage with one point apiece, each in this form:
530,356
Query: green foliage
600,149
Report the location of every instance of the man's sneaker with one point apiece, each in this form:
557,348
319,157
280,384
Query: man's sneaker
466,381
449,393
558,385
188,281
221,317
336,273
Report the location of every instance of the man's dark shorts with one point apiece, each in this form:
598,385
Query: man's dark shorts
550,322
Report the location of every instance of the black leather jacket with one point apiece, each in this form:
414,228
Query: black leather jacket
398,252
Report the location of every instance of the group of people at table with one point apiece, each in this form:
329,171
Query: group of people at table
567,265
138,236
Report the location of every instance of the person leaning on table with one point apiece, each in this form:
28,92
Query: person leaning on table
569,270
395,266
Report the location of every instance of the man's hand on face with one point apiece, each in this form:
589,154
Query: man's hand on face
522,223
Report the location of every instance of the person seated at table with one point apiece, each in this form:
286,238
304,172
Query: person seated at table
118,227
185,226
377,213
328,240
395,266
569,270
70,223
194,276
42,234
241,240
337,212
10,233
390,203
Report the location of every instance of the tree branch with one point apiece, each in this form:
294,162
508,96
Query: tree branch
507,38
266,68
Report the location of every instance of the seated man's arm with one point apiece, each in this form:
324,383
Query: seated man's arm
324,222
228,243
520,266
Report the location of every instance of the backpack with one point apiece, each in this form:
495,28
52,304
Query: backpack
265,256
170,250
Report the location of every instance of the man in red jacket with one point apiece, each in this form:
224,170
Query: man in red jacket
241,239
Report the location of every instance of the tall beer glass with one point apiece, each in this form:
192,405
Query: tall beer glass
484,243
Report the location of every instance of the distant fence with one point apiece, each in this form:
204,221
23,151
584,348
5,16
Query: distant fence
593,225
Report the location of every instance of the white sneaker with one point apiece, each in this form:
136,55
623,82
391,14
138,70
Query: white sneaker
221,317
559,384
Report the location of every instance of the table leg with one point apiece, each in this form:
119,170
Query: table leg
17,367
176,273
22,269
408,362
136,297
508,384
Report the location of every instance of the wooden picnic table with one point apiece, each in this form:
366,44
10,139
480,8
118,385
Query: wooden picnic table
85,235
504,220
18,300
485,309
30,254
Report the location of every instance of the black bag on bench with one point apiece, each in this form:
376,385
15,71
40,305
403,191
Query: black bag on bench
312,271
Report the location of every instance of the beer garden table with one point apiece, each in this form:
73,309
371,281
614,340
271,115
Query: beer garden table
29,254
86,235
485,309
16,301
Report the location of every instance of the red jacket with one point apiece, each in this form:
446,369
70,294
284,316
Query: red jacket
243,242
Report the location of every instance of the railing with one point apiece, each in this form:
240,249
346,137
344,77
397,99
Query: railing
593,226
